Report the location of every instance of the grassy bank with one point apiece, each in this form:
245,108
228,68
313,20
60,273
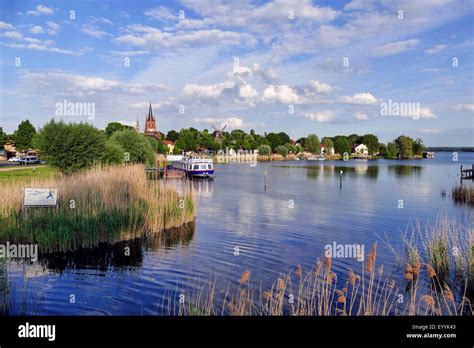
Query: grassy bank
104,204
22,173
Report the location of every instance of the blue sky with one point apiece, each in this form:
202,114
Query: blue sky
323,67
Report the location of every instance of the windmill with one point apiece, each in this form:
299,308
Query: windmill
218,132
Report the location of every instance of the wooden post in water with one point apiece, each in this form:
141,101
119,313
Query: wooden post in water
340,180
265,180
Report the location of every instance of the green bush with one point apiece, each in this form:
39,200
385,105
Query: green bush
136,145
70,147
113,153
282,150
264,150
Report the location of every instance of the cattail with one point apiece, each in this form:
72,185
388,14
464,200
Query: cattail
280,284
267,295
330,277
448,294
416,268
390,284
409,276
430,270
299,271
409,268
327,261
245,277
340,296
352,277
318,267
429,300
371,259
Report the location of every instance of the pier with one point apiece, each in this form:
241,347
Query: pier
467,173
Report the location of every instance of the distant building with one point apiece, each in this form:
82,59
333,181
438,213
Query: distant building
150,124
169,144
327,150
360,149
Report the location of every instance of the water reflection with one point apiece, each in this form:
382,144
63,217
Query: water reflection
125,254
401,171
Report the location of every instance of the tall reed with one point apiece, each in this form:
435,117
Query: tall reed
104,204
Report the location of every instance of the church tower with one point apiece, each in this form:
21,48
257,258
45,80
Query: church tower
150,123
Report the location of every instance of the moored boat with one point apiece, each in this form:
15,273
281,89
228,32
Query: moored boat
195,166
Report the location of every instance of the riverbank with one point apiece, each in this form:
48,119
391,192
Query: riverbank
104,204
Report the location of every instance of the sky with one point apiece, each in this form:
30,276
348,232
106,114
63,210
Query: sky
326,67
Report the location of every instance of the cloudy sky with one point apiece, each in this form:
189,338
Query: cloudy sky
324,67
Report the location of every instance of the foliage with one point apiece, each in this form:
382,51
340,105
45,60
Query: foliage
372,143
312,144
172,135
70,147
113,153
264,150
113,127
282,150
24,136
136,145
341,144
3,138
405,144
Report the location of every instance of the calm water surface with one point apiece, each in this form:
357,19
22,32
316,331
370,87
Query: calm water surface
303,209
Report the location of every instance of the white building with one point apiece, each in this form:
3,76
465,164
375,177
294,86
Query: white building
361,149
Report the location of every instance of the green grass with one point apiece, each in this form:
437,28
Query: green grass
29,172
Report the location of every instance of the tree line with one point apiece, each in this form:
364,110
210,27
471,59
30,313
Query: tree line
72,147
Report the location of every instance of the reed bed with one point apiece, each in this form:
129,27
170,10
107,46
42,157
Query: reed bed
435,278
321,292
463,194
104,204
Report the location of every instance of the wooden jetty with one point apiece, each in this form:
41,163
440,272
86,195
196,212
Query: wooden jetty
467,173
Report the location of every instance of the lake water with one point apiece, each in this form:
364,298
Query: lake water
303,209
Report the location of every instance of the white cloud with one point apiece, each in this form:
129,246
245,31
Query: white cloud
53,28
322,117
42,45
94,31
435,49
80,85
465,107
231,122
430,130
129,53
160,13
394,48
426,112
12,35
41,10
207,91
246,91
360,116
281,94
154,38
360,99
6,26
36,30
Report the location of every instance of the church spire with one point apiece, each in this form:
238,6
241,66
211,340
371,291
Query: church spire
150,114
137,126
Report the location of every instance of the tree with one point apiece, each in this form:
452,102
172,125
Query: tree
172,135
312,144
341,144
71,147
188,139
264,150
113,127
3,138
418,147
354,139
176,150
157,145
405,144
372,143
24,136
391,150
282,150
291,148
136,145
113,153
328,143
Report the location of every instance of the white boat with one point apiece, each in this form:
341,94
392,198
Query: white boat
195,166
316,158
